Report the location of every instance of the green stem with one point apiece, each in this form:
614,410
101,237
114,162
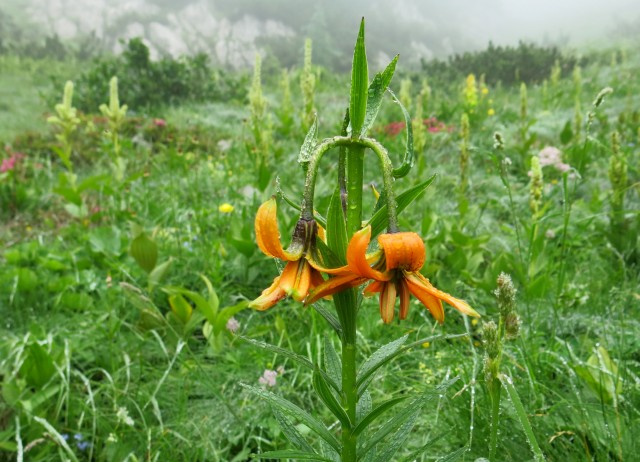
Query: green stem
495,418
387,179
350,399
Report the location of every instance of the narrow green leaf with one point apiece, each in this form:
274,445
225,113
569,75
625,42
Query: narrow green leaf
376,412
213,296
279,351
522,416
291,355
291,432
309,144
159,272
364,406
337,239
455,455
332,362
407,413
376,90
291,454
359,85
296,205
378,358
409,158
324,392
397,440
418,452
296,412
380,220
328,316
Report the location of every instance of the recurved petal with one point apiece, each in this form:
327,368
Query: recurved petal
433,304
457,303
269,297
403,250
334,285
373,288
357,256
301,282
268,234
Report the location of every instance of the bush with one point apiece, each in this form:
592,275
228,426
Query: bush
527,62
144,83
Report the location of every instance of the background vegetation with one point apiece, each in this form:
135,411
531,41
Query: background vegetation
127,246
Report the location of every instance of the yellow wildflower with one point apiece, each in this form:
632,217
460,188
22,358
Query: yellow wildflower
491,112
225,208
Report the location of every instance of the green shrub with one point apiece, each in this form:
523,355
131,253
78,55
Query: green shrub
527,62
145,83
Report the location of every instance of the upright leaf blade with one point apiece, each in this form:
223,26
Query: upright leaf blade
332,362
309,144
380,220
409,158
324,392
359,85
376,90
337,239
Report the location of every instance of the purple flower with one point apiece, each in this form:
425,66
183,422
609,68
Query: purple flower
233,325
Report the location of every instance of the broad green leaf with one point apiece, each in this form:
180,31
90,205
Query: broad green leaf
376,412
144,251
332,362
105,240
296,412
376,90
324,392
180,308
290,431
309,144
213,296
38,367
377,359
159,272
379,220
409,158
291,454
359,85
202,304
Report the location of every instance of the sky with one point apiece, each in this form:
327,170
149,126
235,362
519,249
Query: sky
234,30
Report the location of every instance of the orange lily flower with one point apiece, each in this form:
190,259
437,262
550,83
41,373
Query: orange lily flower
299,275
394,270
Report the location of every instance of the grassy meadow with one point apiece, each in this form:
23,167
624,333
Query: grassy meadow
128,257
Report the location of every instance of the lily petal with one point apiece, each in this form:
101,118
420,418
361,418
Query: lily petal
403,250
270,296
403,292
333,285
357,256
458,304
387,302
268,234
433,304
373,288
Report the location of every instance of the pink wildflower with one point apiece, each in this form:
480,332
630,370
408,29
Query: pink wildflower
550,156
159,122
268,378
233,325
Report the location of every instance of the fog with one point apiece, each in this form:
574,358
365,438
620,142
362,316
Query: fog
232,31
